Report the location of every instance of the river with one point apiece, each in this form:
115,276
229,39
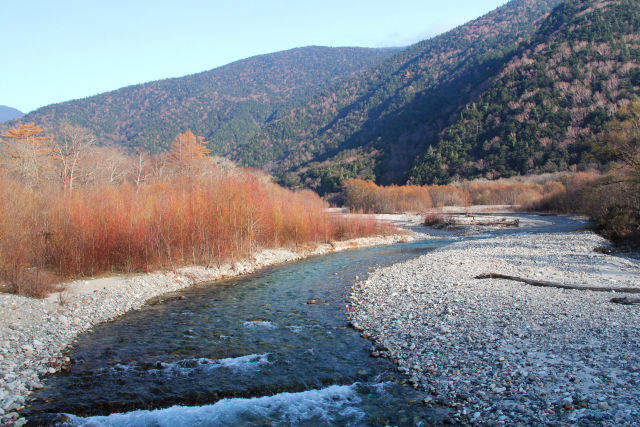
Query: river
271,348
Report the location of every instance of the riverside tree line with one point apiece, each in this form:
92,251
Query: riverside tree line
69,208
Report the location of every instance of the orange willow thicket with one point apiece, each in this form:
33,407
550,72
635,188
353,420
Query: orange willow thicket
505,193
199,220
365,196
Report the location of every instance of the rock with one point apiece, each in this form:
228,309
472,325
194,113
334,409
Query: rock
12,416
34,384
355,326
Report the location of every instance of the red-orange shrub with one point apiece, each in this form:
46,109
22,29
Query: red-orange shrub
365,196
448,195
182,220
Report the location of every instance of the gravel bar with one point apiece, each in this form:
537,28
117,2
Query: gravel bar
501,352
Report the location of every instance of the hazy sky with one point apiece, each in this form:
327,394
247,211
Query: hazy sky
56,50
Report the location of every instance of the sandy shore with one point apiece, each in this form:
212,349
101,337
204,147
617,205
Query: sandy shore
501,352
34,333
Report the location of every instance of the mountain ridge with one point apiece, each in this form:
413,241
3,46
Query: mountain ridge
224,104
382,139
9,113
541,113
381,118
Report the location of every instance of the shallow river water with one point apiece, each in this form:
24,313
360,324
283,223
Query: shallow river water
249,350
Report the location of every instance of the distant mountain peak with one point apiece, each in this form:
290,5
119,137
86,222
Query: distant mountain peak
9,113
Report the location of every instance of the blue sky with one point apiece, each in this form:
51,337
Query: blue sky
56,50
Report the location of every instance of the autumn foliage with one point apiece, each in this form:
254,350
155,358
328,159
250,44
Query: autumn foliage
26,150
365,196
165,211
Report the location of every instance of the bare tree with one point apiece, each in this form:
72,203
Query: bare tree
141,167
70,148
622,141
104,165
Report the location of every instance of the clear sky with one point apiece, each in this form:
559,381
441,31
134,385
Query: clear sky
56,50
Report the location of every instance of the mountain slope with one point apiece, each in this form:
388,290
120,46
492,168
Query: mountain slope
226,105
376,125
8,113
549,100
522,89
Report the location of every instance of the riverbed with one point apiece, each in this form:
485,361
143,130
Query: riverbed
501,352
268,348
35,333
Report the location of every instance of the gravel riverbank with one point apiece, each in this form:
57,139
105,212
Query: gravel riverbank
34,333
501,352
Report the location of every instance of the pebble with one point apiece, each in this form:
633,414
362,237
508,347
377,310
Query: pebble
519,354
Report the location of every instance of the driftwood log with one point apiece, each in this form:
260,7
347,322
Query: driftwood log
485,222
626,300
504,222
548,284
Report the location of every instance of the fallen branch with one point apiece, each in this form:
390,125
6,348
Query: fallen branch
502,222
487,222
547,284
625,300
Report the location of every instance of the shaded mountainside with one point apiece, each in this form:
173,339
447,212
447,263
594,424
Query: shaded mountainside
544,107
226,105
376,125
520,90
9,113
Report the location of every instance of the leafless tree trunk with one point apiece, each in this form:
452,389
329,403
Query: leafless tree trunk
70,148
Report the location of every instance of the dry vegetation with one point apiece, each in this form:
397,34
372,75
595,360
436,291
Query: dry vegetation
612,199
365,196
613,203
78,210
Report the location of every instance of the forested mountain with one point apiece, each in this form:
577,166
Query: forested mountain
375,126
226,105
522,89
548,102
9,113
